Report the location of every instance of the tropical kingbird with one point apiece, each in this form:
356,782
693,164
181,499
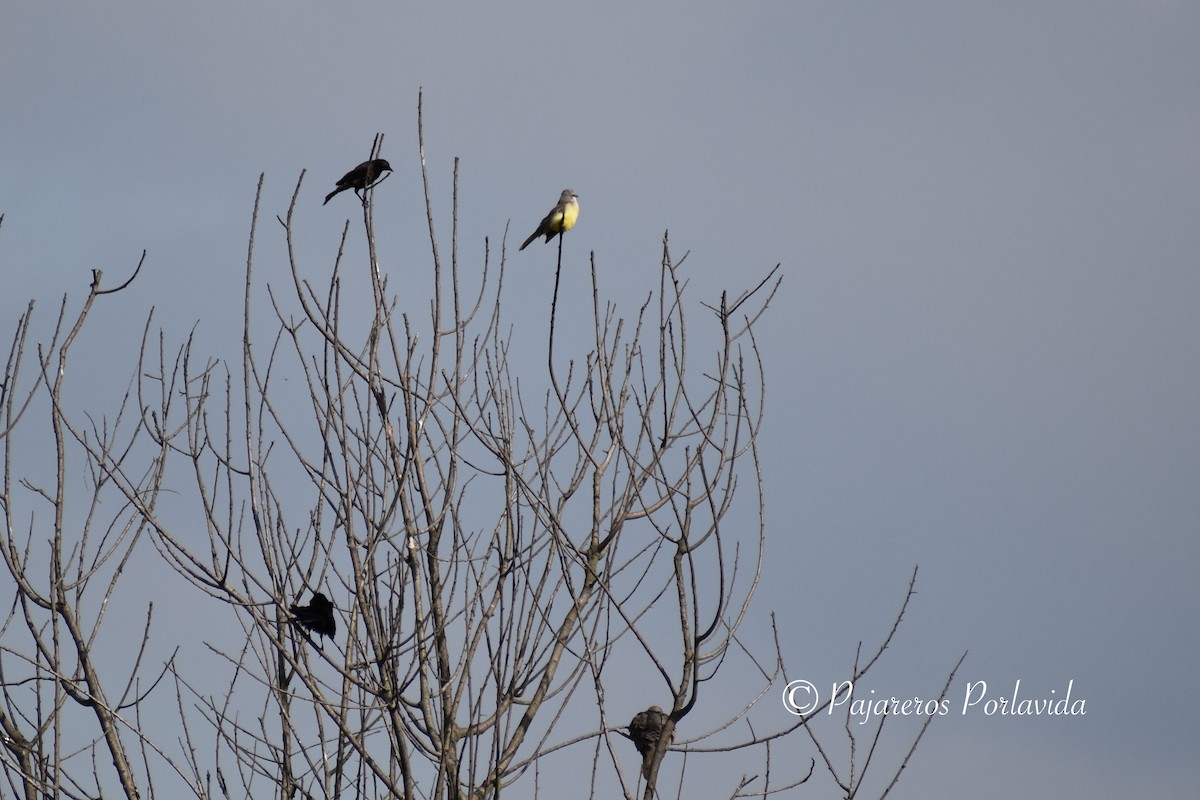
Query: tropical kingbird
361,176
561,218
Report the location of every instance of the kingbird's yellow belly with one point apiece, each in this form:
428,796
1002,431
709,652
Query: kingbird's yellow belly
570,214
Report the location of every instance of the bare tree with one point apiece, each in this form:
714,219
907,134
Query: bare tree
458,561
66,547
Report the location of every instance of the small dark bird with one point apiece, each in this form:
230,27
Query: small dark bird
317,616
561,218
361,176
646,730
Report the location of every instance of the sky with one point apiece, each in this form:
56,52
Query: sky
983,358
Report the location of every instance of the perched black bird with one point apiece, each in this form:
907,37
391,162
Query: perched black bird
646,730
361,176
317,616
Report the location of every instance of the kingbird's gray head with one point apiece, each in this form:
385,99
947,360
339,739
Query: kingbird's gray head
567,196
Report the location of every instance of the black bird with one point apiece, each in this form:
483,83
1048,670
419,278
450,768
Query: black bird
361,176
646,730
317,616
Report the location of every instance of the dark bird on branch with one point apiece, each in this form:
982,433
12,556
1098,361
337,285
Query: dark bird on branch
361,177
317,616
646,730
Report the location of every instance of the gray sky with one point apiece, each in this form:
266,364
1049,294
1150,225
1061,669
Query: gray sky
983,360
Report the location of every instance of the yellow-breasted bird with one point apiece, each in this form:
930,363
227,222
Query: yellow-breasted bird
561,218
361,176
